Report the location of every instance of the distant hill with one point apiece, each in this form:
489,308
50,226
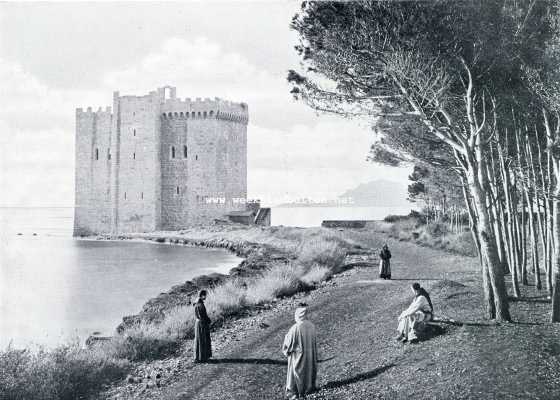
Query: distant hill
378,193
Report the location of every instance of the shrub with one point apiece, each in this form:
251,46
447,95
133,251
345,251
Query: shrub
320,251
316,274
143,342
67,372
394,218
462,243
227,299
279,281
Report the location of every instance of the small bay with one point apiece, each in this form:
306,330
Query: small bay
54,288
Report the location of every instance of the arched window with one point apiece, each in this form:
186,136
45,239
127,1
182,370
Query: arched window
134,132
142,195
177,189
187,114
193,114
125,195
205,114
134,156
170,115
97,154
184,151
211,113
164,115
199,114
172,151
196,157
108,154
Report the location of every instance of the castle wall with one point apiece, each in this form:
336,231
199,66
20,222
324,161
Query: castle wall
93,170
137,194
127,178
212,179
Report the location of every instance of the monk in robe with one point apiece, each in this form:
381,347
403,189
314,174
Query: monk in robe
416,315
202,343
300,346
385,263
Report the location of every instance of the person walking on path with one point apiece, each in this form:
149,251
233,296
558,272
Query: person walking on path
385,263
300,346
419,312
202,343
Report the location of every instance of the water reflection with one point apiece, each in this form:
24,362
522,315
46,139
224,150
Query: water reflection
55,288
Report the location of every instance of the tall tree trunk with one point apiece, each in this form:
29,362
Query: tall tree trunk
488,242
534,243
554,163
555,314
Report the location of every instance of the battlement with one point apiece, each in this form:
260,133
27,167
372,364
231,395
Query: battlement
89,111
204,108
133,162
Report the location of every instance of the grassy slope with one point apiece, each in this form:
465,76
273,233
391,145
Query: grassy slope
356,318
70,372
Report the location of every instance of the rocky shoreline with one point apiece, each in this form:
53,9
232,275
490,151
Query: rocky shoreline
256,258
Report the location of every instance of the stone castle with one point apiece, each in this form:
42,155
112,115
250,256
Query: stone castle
156,162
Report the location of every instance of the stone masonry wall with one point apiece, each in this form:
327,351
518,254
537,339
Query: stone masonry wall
93,172
158,163
212,179
138,161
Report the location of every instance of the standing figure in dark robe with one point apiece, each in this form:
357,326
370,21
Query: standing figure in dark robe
300,346
385,263
202,343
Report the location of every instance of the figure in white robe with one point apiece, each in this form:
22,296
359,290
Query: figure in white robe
300,346
415,316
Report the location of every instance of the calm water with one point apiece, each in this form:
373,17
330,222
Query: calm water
54,288
313,216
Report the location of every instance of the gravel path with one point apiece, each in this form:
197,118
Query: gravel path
355,314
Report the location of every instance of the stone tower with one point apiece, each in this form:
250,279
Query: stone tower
156,162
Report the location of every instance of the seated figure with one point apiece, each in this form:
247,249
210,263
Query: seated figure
413,318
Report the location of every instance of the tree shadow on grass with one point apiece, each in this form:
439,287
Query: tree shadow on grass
416,279
459,323
269,361
358,378
527,323
535,299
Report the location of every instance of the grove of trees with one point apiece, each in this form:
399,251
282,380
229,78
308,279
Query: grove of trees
468,91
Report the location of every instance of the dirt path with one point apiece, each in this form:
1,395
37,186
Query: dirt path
355,315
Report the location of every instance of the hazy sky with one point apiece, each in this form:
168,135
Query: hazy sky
57,57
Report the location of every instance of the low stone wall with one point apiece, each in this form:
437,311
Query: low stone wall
344,223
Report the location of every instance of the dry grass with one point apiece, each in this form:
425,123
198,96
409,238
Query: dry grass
320,253
434,235
67,372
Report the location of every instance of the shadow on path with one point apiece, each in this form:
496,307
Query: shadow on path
537,299
247,361
360,377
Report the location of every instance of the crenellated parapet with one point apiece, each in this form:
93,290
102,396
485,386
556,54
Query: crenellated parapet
89,111
141,165
206,108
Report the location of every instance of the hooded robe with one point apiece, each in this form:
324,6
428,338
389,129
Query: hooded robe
300,346
202,344
385,263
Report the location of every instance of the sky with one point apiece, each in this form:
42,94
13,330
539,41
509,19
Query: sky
56,57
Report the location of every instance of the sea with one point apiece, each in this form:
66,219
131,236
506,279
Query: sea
56,289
